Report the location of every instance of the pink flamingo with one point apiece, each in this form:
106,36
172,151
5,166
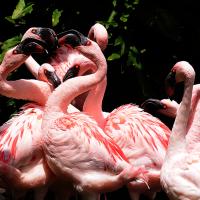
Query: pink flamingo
137,114
142,137
75,147
181,168
17,152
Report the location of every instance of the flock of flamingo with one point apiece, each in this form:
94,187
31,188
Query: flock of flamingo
55,144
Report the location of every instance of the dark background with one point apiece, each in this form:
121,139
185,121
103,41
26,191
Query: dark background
163,32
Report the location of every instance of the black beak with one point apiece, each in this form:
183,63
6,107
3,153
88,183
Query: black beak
45,42
72,72
72,37
53,78
48,36
29,46
170,83
152,105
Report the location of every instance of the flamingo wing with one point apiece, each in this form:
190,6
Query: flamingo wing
133,130
16,135
80,142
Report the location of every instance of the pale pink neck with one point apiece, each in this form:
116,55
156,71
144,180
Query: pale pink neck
94,99
93,102
193,135
32,90
179,129
67,91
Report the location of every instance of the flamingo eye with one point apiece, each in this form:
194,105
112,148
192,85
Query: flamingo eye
34,31
165,107
15,51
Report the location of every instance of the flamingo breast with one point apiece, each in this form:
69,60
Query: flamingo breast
185,169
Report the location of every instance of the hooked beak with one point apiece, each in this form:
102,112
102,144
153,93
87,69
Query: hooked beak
53,78
152,105
48,36
72,37
72,72
170,83
29,46
39,40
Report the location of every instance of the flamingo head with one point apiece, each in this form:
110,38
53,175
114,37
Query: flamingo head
152,105
37,40
72,72
72,37
166,107
47,73
99,34
175,80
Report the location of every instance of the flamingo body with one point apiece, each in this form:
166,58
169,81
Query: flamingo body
183,150
75,147
135,130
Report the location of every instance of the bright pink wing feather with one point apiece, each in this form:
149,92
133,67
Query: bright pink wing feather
132,128
16,135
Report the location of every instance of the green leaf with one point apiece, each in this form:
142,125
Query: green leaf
9,18
21,10
118,41
132,58
11,42
8,44
18,10
113,56
124,18
56,16
10,102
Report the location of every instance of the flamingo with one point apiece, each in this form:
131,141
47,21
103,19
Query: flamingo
180,172
142,137
137,114
18,155
74,146
30,112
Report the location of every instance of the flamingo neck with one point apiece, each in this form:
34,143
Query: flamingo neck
10,63
32,90
179,129
67,91
93,102
193,138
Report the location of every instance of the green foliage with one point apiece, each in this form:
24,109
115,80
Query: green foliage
21,10
8,44
56,17
118,22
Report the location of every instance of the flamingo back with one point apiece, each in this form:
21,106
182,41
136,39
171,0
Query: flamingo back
139,134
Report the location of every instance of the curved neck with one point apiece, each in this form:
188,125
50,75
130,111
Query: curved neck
193,136
67,91
179,129
11,62
93,102
32,90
